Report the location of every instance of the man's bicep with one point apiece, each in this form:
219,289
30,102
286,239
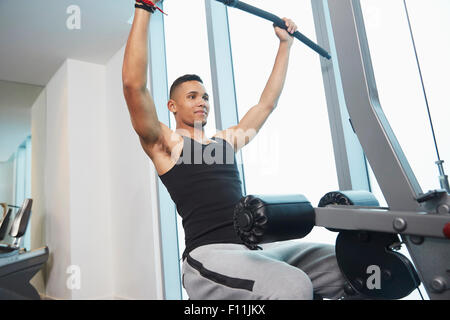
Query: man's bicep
249,126
143,113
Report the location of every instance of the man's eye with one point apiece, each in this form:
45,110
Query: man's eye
206,98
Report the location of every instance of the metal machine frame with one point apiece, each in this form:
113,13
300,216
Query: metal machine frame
420,219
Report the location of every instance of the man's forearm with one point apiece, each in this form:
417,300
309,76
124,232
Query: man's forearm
134,72
275,84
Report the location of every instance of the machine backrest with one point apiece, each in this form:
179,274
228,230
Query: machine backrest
4,224
21,220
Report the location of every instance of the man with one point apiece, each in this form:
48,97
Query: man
216,264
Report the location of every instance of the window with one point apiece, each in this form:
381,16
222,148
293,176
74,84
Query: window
398,79
187,48
293,153
187,53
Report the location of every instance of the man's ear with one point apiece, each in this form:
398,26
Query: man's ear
171,105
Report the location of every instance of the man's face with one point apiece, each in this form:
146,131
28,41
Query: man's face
190,103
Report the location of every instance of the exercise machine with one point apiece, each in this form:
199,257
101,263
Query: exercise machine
369,235
17,265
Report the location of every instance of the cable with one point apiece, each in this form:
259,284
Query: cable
420,292
443,179
421,80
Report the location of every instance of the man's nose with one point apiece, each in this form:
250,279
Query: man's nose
203,102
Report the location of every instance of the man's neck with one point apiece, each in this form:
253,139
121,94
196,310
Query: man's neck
193,133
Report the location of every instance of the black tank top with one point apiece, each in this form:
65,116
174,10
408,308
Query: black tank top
205,186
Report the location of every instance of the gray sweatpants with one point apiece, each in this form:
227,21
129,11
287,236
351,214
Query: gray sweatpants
289,270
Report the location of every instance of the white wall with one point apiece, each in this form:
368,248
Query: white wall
76,191
88,167
93,187
137,257
39,139
56,179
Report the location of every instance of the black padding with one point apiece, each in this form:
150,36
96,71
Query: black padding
4,224
264,219
350,198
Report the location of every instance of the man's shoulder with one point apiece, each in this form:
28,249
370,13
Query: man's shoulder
227,135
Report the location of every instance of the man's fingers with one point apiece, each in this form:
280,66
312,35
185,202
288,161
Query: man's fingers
290,25
294,28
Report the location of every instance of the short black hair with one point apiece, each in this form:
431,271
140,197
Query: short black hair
183,79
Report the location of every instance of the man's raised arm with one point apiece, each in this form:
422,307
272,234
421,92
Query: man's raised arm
255,118
134,77
274,87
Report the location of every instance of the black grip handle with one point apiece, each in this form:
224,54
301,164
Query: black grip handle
277,21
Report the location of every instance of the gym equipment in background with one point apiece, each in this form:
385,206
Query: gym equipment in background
18,266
